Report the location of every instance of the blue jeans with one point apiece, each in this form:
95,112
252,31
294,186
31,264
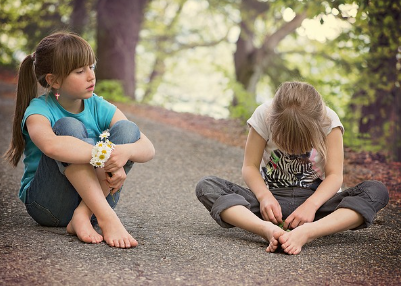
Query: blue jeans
51,199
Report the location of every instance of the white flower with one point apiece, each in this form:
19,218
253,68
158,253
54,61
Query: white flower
96,163
105,134
102,150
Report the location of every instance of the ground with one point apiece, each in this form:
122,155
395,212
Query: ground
358,166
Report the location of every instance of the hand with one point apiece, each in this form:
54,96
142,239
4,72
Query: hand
116,180
270,209
118,159
303,214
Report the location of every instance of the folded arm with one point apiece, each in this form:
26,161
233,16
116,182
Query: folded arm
73,150
61,148
140,151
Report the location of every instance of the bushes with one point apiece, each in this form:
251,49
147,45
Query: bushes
111,90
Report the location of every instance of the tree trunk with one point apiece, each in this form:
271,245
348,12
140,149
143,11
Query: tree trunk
250,61
79,16
381,118
118,26
380,85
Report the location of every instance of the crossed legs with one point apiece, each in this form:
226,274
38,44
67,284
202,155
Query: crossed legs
232,205
340,220
93,192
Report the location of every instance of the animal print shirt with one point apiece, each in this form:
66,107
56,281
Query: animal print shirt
281,170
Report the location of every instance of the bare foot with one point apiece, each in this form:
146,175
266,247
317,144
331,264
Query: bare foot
292,241
272,235
115,233
81,226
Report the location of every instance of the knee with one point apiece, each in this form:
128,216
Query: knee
124,131
376,190
69,126
204,185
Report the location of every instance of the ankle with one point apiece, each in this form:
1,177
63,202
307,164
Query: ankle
80,212
107,216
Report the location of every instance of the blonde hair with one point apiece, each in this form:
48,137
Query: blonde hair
57,54
298,119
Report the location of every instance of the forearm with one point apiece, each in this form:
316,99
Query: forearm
255,182
69,149
141,151
326,190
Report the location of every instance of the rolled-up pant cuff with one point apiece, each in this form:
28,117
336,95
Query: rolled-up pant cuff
224,202
364,209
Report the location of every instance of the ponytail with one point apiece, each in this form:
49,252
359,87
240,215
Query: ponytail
27,90
57,54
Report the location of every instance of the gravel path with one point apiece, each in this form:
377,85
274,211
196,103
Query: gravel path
179,244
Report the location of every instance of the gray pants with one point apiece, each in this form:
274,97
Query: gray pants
217,195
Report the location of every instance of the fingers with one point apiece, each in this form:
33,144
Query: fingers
272,214
115,181
291,223
114,178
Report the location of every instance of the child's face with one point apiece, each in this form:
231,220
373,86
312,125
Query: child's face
79,84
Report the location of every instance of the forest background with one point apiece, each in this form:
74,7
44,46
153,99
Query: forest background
222,58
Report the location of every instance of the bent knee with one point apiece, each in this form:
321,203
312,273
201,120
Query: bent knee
124,131
376,191
69,126
203,185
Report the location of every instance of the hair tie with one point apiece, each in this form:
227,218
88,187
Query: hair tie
33,57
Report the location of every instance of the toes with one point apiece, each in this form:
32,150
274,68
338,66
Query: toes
272,246
134,243
292,250
296,251
112,243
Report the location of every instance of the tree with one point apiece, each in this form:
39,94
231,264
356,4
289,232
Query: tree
252,61
166,36
376,101
258,55
24,23
377,97
79,18
118,26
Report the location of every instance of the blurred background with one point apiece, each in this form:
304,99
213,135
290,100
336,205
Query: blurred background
222,58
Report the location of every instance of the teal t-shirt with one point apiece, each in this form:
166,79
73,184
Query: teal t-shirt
96,117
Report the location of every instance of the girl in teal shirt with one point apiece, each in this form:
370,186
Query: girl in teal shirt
69,179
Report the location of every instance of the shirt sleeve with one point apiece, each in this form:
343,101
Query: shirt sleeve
37,106
335,121
258,121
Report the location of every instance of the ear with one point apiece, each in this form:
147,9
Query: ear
52,81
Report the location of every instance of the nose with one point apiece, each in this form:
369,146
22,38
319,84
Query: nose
91,75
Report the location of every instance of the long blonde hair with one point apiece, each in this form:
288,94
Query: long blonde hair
57,54
298,119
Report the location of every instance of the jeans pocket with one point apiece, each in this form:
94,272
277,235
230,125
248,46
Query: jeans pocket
41,214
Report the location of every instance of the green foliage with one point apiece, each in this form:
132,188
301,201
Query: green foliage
24,23
246,103
375,107
111,90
